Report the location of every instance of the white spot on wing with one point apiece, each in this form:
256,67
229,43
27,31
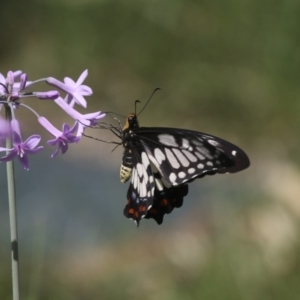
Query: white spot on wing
160,157
200,156
145,160
145,175
181,175
200,166
205,152
185,144
172,159
181,158
233,153
159,185
205,136
209,163
191,170
213,142
154,164
172,177
168,140
190,156
134,178
152,192
142,189
140,169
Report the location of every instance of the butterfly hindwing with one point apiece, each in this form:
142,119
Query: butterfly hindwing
166,198
141,189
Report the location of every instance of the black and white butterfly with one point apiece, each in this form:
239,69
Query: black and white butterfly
162,161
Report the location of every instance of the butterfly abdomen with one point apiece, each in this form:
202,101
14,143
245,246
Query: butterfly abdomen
125,173
126,166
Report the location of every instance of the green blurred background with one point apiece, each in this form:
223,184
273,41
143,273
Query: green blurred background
230,68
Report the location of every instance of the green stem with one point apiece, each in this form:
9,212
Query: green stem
12,216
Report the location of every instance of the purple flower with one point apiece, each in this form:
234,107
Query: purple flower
10,90
21,149
9,80
15,87
84,120
75,90
62,138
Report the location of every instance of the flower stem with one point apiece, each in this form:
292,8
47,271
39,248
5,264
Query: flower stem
12,216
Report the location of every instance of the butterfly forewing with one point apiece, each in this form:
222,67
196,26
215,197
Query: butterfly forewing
183,155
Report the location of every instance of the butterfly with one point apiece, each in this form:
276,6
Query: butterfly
162,161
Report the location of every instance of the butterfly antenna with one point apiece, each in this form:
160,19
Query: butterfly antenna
155,90
135,104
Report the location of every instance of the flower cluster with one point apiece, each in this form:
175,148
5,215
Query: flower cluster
15,87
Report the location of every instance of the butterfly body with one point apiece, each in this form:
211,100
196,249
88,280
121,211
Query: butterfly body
161,161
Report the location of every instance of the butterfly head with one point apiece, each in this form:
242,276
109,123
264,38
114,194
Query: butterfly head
131,122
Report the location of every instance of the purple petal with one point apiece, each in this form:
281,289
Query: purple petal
10,156
51,95
58,84
55,153
23,80
4,128
64,147
16,136
53,142
69,81
82,77
93,118
68,109
15,126
34,151
49,127
32,141
81,128
24,162
85,90
2,79
73,139
10,79
95,115
80,99
74,128
65,128
5,149
17,74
